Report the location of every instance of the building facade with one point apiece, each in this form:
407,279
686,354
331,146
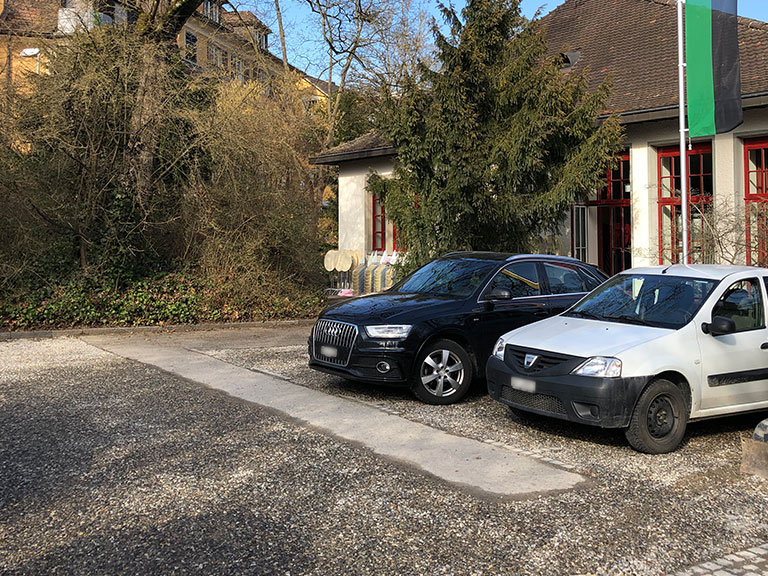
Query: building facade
25,29
237,43
634,219
29,28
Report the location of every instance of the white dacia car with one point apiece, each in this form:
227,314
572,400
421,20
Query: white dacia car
649,350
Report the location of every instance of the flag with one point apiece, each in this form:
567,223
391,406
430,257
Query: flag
713,72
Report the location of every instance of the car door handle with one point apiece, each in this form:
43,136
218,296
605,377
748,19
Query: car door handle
764,346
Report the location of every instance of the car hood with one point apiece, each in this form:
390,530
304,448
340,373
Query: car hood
390,307
583,337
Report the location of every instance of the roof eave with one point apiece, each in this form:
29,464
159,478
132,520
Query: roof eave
756,100
341,157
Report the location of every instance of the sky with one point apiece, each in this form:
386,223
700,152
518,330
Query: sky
306,52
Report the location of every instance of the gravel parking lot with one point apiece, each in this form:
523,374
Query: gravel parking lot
108,465
643,510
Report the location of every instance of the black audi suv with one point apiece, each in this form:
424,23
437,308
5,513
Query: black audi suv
434,330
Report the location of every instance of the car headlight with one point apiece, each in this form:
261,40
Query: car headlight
600,366
389,331
498,348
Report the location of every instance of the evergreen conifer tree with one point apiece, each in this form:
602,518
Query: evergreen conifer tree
496,142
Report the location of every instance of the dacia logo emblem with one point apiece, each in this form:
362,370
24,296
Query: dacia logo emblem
530,360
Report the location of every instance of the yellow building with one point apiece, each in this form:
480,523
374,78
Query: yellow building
25,29
238,44
235,42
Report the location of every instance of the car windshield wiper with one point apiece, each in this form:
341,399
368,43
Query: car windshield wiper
589,315
629,319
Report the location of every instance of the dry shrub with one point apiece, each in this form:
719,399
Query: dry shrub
254,214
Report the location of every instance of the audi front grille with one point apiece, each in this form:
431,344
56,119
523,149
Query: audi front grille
332,341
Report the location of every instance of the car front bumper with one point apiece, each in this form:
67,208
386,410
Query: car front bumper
603,402
367,365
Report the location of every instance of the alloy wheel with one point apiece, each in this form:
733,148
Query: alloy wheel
442,373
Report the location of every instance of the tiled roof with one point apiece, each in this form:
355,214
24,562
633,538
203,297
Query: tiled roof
243,18
635,43
30,17
372,144
320,84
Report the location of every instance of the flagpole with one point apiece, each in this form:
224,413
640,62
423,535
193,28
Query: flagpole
683,155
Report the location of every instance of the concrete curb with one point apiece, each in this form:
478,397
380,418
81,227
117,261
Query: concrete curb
470,464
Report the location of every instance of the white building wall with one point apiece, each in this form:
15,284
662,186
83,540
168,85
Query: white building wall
643,140
641,158
727,152
728,175
592,241
356,205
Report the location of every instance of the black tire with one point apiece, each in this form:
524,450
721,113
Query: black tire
657,425
442,373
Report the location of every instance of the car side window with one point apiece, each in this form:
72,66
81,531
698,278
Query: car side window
742,302
564,278
590,282
520,278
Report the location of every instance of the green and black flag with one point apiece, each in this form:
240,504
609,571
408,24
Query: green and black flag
713,74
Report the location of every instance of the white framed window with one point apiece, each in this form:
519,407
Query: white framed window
580,233
310,102
190,47
212,10
216,56
237,66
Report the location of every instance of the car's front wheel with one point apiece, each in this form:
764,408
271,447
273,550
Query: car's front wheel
443,373
657,425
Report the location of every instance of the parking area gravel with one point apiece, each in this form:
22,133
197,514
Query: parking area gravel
108,465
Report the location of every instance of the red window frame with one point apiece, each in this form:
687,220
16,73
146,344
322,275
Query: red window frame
379,229
759,197
674,201
615,176
612,202
378,226
397,240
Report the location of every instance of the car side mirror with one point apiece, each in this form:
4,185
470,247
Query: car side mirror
719,326
501,294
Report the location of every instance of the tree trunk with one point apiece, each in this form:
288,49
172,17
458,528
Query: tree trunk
329,134
281,30
160,20
167,17
143,137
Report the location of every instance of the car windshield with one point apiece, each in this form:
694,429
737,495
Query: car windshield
645,300
455,278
